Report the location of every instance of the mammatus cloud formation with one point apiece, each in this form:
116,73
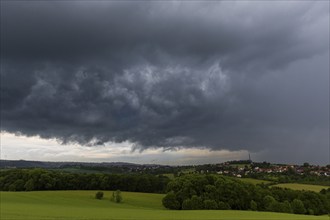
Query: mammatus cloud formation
220,75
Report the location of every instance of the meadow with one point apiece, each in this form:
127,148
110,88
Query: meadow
81,205
254,181
298,186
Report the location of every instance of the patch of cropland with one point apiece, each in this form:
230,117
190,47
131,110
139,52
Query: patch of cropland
255,181
68,205
297,186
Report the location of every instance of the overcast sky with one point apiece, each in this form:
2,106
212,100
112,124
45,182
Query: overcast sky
165,82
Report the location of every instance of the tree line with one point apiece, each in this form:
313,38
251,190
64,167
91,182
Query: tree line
219,192
41,179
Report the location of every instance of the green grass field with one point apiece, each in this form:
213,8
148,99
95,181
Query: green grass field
298,186
81,205
254,181
190,170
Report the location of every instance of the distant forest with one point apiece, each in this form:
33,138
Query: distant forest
41,179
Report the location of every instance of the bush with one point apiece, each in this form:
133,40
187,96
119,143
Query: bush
99,195
116,196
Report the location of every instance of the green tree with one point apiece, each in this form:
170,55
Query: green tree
269,202
253,205
117,197
144,185
196,202
210,192
286,207
306,164
223,205
29,185
186,205
310,211
12,187
298,206
170,201
210,204
274,206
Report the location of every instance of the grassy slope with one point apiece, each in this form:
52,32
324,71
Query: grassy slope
297,186
254,181
82,205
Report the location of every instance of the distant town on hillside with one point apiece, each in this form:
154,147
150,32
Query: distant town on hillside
238,168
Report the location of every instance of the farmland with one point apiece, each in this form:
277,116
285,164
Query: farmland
82,205
254,181
297,186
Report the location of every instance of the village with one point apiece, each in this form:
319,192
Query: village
247,168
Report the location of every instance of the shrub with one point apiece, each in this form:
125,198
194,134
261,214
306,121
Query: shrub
99,195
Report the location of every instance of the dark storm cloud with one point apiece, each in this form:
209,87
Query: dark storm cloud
221,75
